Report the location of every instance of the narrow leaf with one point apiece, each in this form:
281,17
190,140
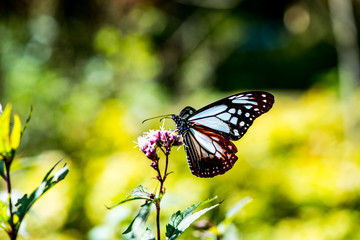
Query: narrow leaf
139,193
237,207
50,171
230,215
137,227
27,121
128,200
2,169
5,131
180,221
15,133
4,218
148,235
25,203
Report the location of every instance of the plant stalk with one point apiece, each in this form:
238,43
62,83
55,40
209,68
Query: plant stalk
13,232
161,179
157,204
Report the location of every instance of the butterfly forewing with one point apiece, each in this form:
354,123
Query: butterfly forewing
232,116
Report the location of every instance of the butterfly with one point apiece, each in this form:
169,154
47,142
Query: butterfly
208,132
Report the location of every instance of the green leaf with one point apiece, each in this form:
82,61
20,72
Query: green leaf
148,235
139,193
137,228
15,133
25,203
2,170
230,215
180,221
27,121
9,144
5,131
4,218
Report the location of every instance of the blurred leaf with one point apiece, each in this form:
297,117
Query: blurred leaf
137,228
4,218
180,221
15,133
5,131
148,235
230,215
2,170
26,202
27,121
139,193
9,143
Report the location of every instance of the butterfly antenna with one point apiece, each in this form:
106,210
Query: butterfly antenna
161,116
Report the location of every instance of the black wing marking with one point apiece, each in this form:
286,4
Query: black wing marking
208,153
232,116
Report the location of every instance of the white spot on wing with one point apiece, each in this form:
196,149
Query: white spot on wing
236,132
217,146
242,101
224,116
197,146
248,106
246,97
234,120
247,114
239,111
204,153
209,112
215,138
232,110
213,123
204,141
242,123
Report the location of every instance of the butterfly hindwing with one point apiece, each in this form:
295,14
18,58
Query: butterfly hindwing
232,116
208,153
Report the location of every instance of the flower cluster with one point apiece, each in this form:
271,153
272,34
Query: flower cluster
159,138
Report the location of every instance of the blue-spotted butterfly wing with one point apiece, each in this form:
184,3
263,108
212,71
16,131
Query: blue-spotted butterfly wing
208,148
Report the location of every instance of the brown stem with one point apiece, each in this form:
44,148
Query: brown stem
13,231
157,204
161,191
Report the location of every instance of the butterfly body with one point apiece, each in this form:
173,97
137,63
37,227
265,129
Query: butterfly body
207,132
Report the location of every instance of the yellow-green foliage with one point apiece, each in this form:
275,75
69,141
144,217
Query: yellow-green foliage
295,162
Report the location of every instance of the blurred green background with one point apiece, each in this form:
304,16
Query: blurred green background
93,70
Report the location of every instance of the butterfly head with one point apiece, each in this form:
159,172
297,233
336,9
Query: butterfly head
187,112
182,125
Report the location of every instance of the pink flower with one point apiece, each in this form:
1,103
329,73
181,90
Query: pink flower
159,138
